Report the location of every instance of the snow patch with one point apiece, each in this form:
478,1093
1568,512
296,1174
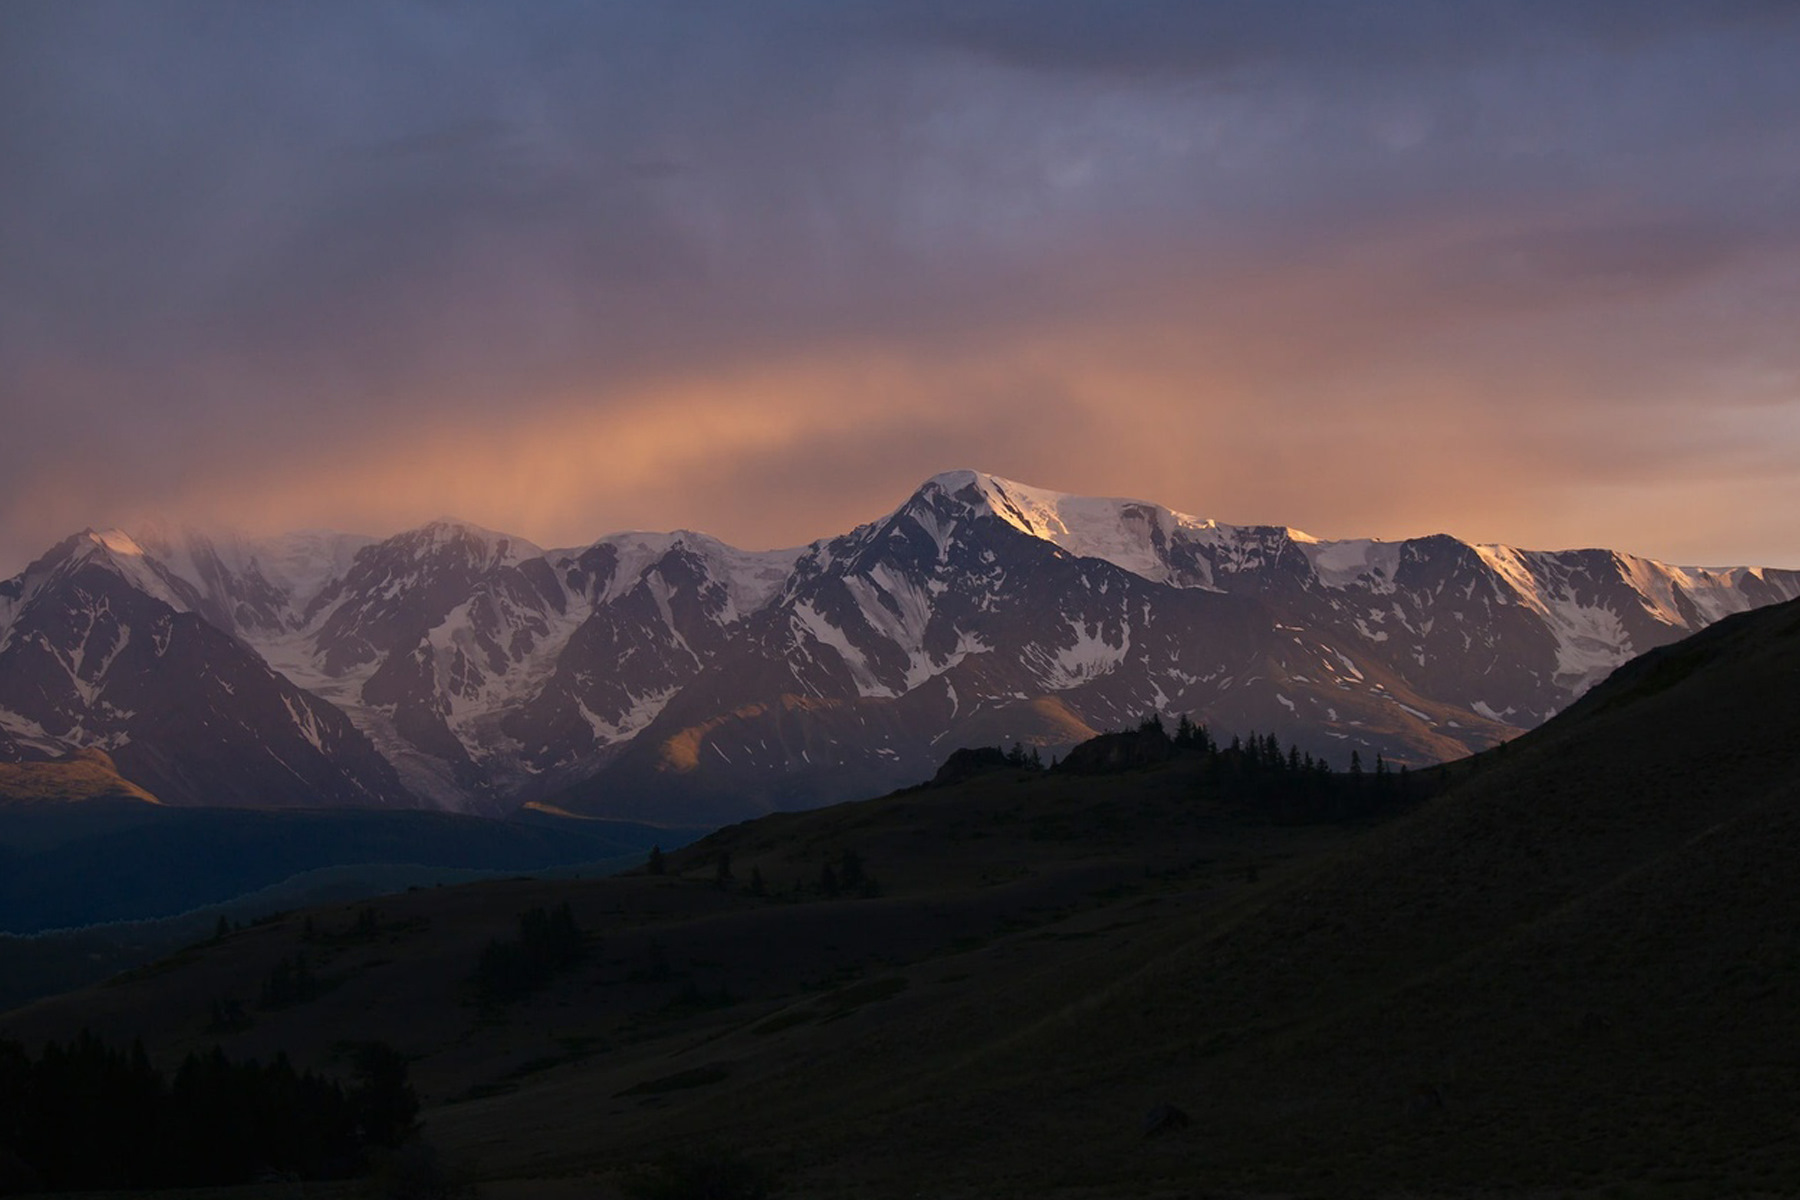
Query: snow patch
810,623
1088,657
1368,562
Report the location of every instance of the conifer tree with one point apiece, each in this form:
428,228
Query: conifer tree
385,1104
850,874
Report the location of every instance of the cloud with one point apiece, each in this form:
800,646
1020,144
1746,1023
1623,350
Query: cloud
1184,38
579,266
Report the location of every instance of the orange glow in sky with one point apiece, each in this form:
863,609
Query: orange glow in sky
1528,281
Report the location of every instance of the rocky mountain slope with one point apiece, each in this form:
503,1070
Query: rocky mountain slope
670,675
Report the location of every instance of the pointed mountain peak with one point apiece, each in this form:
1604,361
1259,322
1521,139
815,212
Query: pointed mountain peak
111,550
1045,513
435,536
751,576
108,548
450,526
116,541
1132,534
983,488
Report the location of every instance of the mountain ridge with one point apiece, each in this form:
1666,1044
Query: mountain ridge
470,669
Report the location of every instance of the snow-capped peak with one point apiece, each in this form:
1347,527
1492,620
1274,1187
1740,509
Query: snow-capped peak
277,575
1131,534
122,553
117,541
751,577
503,549
1367,561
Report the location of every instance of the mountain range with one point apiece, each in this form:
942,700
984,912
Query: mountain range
674,677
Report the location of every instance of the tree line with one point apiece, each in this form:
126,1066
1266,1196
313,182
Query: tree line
1253,771
548,943
85,1115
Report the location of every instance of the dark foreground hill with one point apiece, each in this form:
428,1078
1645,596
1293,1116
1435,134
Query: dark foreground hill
1570,971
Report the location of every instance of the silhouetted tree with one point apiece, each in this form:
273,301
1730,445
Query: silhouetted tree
384,1103
548,943
227,1016
86,1116
850,872
290,982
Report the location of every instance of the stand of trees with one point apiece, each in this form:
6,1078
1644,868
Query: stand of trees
87,1116
1287,784
1255,772
549,943
847,875
291,982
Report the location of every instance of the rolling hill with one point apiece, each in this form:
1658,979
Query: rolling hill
1563,966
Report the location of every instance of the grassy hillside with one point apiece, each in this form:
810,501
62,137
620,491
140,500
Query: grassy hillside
83,775
1572,971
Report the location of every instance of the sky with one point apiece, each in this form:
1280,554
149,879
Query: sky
1522,271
